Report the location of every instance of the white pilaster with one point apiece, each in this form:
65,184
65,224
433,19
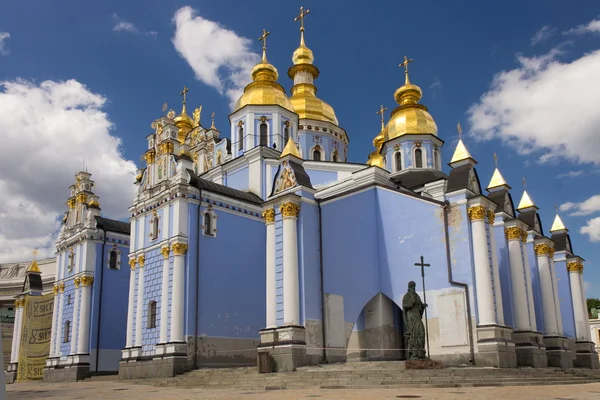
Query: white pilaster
495,268
83,341
164,297
177,301
129,342
521,309
575,268
291,293
55,322
556,298
141,232
75,321
140,302
249,131
180,217
542,252
14,355
529,283
483,270
165,220
132,236
59,322
269,217
584,301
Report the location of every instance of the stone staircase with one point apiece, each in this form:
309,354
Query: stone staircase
371,375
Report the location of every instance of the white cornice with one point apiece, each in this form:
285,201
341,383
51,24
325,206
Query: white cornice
367,176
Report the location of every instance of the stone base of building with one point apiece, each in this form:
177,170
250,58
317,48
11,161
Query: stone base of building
586,356
285,348
10,375
495,347
557,352
530,349
170,359
73,369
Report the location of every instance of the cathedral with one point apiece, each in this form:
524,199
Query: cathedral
264,243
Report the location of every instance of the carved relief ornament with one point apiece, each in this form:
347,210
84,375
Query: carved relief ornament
575,266
513,233
77,281
87,280
141,260
165,250
179,249
269,215
491,216
476,213
132,263
542,250
289,209
62,287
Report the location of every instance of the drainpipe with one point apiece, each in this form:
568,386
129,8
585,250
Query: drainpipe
461,284
100,302
323,329
197,282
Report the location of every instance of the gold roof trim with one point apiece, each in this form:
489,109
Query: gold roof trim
290,149
558,225
461,153
526,201
34,267
497,180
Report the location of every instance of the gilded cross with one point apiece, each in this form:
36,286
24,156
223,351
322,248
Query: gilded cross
405,64
459,130
35,253
264,38
212,115
301,18
423,265
382,109
183,92
523,182
496,159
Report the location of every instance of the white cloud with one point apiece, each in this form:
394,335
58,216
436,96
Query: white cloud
544,33
48,130
219,57
592,229
544,106
125,26
591,27
587,207
3,37
570,174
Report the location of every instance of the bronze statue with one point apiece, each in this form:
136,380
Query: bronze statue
413,309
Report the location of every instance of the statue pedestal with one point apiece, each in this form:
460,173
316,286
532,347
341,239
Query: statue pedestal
586,356
495,347
286,346
557,352
531,351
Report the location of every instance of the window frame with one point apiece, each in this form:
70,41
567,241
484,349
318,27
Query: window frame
260,134
152,313
67,331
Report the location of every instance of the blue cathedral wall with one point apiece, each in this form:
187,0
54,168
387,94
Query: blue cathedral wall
65,347
309,262
153,267
372,240
238,179
109,330
504,270
536,287
231,281
565,298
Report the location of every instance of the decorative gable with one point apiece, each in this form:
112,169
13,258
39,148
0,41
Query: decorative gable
284,179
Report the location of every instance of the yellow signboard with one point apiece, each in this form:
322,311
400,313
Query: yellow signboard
35,337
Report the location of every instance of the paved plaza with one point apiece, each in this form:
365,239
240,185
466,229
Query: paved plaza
114,390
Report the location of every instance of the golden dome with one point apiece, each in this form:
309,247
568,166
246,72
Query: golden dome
306,104
410,117
264,90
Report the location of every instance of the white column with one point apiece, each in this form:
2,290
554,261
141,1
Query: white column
140,302
83,341
130,303
177,300
483,276
269,217
75,321
556,299
16,344
291,287
529,283
542,252
55,321
59,326
581,332
584,301
164,297
132,237
521,309
496,269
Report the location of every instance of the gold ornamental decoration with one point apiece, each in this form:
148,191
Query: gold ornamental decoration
165,250
132,263
55,289
551,254
476,213
289,209
71,203
62,287
524,236
269,215
141,260
81,198
87,280
22,302
542,250
491,216
179,249
150,156
16,303
575,266
166,147
77,281
513,233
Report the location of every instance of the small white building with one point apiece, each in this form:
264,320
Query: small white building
595,332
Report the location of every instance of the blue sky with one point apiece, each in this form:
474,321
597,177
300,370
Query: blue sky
522,78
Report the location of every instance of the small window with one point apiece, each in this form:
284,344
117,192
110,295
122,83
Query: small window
335,157
398,160
69,300
418,158
286,135
67,332
152,314
208,229
154,227
316,155
264,139
241,138
112,259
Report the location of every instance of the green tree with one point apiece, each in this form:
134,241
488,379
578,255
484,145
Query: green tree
593,303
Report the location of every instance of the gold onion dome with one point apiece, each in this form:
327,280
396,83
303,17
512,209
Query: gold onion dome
264,89
375,158
306,104
409,117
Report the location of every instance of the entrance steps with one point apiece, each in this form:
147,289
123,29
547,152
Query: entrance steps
374,375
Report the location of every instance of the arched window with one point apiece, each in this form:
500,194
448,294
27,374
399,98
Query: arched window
418,158
286,135
317,153
241,138
151,314
335,156
264,140
208,229
398,160
154,227
112,259
67,332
